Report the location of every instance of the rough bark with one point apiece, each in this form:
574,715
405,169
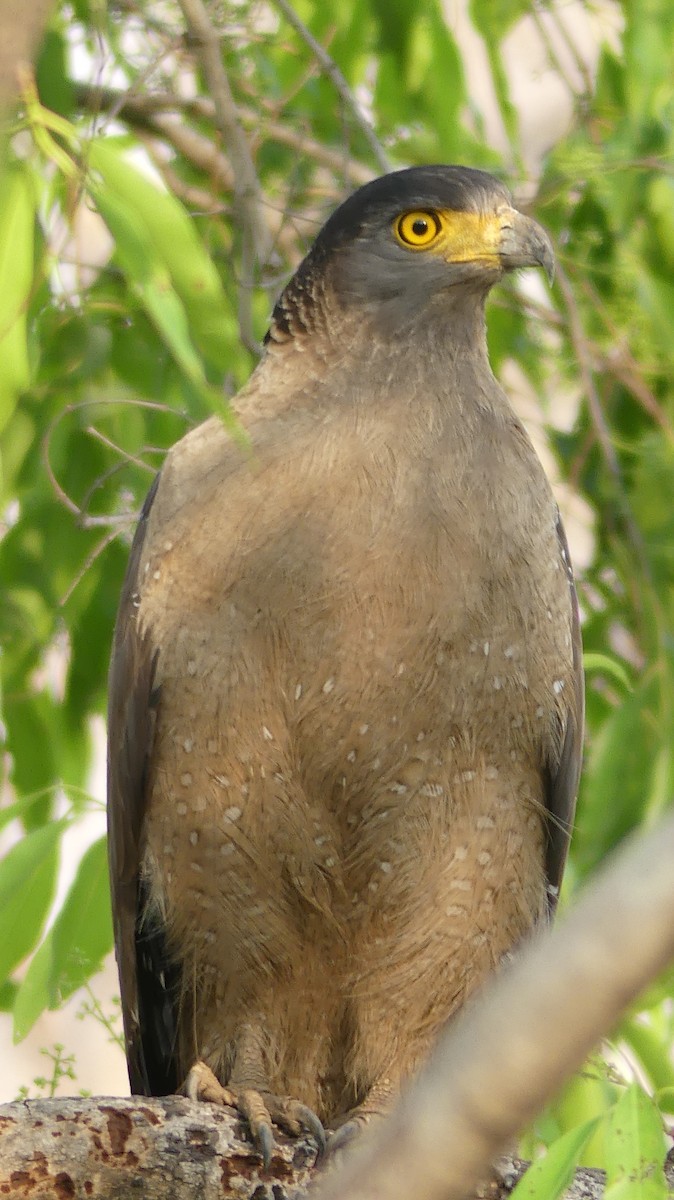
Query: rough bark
173,1149
114,1149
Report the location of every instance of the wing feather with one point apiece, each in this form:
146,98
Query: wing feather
563,775
147,977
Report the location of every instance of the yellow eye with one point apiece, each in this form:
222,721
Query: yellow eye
418,228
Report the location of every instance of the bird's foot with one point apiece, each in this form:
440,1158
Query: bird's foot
349,1127
260,1109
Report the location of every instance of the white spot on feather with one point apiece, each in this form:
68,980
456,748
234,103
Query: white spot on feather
431,789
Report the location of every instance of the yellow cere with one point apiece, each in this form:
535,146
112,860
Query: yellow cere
457,236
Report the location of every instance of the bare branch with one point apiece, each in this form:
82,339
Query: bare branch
246,186
338,82
140,111
87,520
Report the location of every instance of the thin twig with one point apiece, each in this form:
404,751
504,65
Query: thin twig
98,549
338,82
87,521
581,65
124,454
554,60
198,200
99,482
152,112
602,432
247,194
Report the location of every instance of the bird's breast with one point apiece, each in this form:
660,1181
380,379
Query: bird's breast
371,589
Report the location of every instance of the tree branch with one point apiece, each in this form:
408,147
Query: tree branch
338,82
247,195
152,112
168,1149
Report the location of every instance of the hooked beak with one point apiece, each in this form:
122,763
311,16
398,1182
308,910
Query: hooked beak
524,243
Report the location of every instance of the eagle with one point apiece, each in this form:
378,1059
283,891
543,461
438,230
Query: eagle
346,694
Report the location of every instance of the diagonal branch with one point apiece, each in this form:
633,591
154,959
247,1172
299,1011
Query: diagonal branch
248,201
153,111
338,82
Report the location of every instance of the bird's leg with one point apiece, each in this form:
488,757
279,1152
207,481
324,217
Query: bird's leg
248,1093
375,1105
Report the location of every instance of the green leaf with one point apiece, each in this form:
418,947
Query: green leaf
604,664
8,991
493,20
74,947
17,223
652,1050
635,1149
151,280
27,883
171,238
615,786
548,1177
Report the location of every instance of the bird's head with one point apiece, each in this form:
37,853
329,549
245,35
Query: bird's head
425,237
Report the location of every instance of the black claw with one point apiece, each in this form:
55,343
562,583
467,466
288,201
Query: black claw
265,1144
310,1121
343,1136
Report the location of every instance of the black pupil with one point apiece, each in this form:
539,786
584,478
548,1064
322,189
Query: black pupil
420,227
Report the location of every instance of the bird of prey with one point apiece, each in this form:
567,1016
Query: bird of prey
346,695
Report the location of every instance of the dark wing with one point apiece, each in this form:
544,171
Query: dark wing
147,979
563,776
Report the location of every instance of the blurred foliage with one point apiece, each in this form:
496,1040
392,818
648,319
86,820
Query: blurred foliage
130,303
